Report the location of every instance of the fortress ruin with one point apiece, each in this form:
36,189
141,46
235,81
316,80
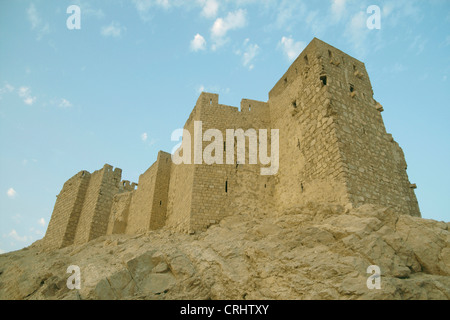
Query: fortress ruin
333,148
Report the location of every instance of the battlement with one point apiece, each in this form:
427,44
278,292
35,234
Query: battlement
333,147
127,186
314,63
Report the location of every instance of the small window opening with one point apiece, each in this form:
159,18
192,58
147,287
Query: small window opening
324,80
160,203
224,146
301,185
330,54
210,101
249,108
352,88
306,60
298,144
265,186
294,104
285,80
226,186
354,68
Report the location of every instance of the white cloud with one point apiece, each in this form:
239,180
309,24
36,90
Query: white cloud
33,16
29,100
357,32
113,30
213,88
291,48
11,193
41,222
25,94
7,88
198,43
338,9
210,8
36,22
63,103
249,54
14,235
144,136
201,89
234,20
143,7
88,10
418,44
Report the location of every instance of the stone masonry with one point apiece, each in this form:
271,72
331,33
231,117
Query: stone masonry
333,147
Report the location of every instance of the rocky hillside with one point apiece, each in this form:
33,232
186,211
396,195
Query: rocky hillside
318,251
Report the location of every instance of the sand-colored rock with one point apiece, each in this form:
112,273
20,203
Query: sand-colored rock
315,251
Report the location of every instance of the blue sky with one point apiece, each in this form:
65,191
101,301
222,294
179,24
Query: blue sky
114,91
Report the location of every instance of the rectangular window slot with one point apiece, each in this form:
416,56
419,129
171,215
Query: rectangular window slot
324,80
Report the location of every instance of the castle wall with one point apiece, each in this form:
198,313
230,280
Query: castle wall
63,223
161,192
215,186
120,210
148,206
103,185
142,202
182,182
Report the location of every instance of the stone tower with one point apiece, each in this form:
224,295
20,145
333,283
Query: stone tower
333,128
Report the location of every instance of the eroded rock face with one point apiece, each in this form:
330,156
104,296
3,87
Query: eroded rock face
316,251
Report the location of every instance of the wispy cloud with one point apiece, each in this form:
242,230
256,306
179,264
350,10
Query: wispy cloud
233,20
41,222
25,94
418,44
250,51
357,32
338,9
198,43
144,7
291,48
210,8
11,193
144,136
15,236
201,89
212,89
7,88
36,22
88,10
63,103
114,30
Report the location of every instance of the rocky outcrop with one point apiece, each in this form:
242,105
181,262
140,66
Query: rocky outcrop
316,251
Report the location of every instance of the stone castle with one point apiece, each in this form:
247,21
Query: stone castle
333,147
